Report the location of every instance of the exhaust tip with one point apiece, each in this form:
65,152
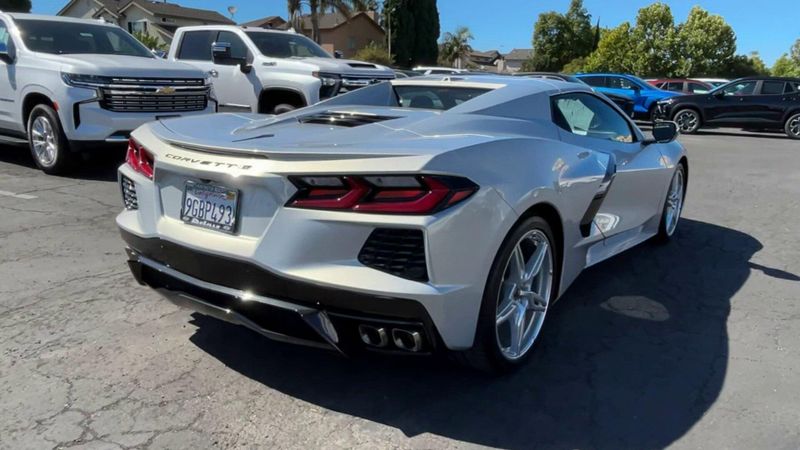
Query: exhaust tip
373,336
407,340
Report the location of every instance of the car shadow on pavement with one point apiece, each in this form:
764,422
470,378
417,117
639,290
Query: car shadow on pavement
631,357
98,166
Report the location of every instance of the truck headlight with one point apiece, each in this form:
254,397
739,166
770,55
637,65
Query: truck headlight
87,81
327,79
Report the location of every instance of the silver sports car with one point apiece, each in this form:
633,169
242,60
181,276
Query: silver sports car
415,216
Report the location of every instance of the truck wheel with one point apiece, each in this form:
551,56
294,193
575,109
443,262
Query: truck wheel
49,145
283,108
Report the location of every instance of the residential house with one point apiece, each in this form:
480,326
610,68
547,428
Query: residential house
156,18
338,33
266,22
513,60
486,61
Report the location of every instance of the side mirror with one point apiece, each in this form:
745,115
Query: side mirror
663,133
719,94
338,55
6,56
221,53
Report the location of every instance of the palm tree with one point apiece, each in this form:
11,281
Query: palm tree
455,46
294,8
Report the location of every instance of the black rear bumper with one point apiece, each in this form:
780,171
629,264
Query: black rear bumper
277,307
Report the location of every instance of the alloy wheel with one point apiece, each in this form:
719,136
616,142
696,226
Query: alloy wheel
688,121
793,128
44,140
674,202
524,295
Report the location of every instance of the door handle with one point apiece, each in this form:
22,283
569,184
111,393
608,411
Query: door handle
213,73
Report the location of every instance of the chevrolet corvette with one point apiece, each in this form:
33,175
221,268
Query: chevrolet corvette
418,216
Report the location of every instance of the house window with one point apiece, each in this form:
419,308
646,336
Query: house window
140,26
351,43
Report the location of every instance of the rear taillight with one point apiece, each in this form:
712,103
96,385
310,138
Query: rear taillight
139,158
382,194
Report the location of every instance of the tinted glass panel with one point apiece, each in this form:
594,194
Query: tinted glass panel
63,38
594,81
740,88
196,45
676,86
619,83
238,47
698,88
792,87
4,36
587,115
435,97
284,45
772,87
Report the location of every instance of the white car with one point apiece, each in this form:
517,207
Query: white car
716,82
269,71
431,70
68,85
414,217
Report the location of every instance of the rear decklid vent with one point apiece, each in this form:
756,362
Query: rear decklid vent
362,66
343,119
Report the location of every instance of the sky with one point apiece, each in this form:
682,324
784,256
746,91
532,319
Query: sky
767,26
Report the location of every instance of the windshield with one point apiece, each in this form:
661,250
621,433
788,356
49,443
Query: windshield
285,45
63,38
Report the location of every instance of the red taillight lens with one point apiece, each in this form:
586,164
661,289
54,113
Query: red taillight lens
383,194
139,158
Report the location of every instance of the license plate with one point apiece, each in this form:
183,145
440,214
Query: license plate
210,206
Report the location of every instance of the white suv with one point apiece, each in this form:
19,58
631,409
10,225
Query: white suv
269,71
70,85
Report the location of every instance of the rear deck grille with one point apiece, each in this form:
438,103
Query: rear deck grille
154,95
129,197
396,251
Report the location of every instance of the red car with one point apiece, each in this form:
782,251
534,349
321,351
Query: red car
684,85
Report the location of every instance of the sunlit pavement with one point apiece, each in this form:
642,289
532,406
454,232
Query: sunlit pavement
695,344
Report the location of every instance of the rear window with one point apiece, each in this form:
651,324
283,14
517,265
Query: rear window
594,81
196,45
435,97
772,87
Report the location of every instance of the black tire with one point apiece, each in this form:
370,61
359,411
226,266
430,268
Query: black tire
688,120
665,231
53,160
283,108
485,354
792,126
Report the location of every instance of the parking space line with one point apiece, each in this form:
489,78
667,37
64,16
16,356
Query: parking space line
19,196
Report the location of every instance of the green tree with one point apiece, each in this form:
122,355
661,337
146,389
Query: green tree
415,31
744,66
23,6
785,66
614,52
560,38
374,53
455,46
149,41
654,41
705,43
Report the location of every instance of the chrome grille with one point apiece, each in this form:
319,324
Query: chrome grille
154,95
129,193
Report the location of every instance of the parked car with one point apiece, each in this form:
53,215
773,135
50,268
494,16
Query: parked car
411,217
644,95
69,85
427,70
684,85
716,82
269,71
753,103
625,102
401,73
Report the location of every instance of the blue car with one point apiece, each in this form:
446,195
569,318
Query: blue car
645,96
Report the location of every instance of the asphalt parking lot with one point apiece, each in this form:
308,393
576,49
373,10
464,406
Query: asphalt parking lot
695,344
